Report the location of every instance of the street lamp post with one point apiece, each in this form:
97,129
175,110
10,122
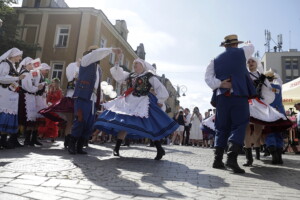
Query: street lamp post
181,89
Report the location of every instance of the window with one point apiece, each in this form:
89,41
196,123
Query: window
112,58
287,64
62,36
295,64
37,3
103,43
108,80
121,61
57,71
288,78
127,64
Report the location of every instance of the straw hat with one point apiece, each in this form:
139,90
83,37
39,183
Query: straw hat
270,74
93,47
230,39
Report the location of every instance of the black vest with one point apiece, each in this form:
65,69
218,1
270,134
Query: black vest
42,91
141,86
12,72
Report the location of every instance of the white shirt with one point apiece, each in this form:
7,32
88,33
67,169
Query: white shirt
210,76
161,92
28,83
4,71
72,71
95,56
187,119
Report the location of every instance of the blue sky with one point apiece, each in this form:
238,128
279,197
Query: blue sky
182,36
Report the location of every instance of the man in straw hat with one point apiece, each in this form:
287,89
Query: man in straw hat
85,96
228,76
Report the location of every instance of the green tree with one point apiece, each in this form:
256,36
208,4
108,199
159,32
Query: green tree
9,33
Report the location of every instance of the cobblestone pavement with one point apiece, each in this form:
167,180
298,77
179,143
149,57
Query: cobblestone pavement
49,172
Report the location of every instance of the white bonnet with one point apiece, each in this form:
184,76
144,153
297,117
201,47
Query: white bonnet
24,62
147,66
11,53
260,68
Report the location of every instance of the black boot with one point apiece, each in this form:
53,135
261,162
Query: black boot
27,136
34,139
4,143
273,151
257,153
248,152
160,151
66,141
151,144
266,151
13,140
117,147
218,163
72,144
126,143
279,155
80,144
232,154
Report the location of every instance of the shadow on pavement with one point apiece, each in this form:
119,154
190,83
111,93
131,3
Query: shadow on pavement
125,176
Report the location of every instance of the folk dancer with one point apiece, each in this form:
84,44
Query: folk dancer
228,76
9,97
138,112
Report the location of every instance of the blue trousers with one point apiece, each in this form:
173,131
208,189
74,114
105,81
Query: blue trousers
84,118
274,139
232,118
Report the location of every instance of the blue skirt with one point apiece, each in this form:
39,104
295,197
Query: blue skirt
8,123
157,126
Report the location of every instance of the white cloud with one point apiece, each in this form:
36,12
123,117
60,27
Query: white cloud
154,41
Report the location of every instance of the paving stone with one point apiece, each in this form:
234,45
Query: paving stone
184,173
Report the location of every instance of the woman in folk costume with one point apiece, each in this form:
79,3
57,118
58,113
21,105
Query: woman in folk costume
274,139
27,104
258,106
9,97
40,98
138,112
63,111
261,113
54,95
196,133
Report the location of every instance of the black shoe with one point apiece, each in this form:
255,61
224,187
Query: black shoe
257,153
232,154
275,159
151,144
80,144
160,151
218,163
34,139
13,139
248,152
117,147
279,155
27,135
66,141
4,143
72,145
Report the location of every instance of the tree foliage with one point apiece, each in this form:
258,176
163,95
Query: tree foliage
9,33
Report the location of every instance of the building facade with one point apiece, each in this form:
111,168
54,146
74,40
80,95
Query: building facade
64,33
286,64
